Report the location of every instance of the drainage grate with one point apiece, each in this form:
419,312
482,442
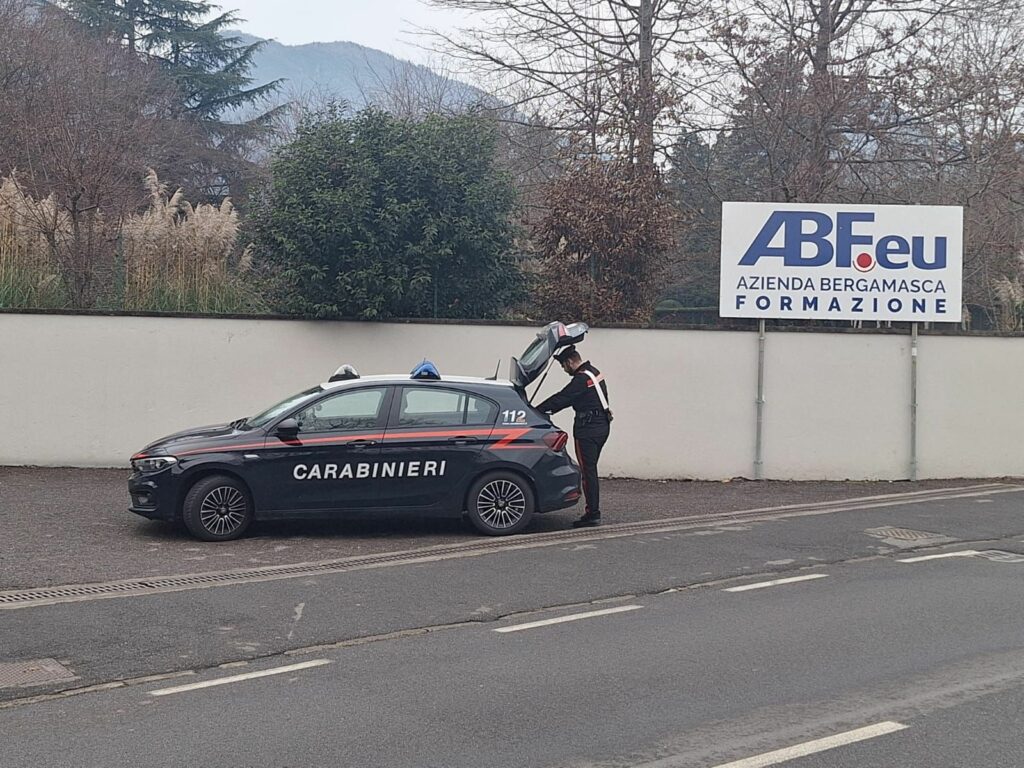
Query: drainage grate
21,674
905,534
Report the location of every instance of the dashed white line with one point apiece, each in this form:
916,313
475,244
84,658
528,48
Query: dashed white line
239,678
571,617
818,745
961,553
776,582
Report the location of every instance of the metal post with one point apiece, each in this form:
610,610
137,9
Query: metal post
913,401
758,459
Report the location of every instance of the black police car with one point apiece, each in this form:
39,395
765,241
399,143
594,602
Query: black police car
425,443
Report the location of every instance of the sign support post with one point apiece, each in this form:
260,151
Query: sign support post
758,441
913,401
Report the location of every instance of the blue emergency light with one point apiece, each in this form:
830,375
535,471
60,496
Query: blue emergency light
426,370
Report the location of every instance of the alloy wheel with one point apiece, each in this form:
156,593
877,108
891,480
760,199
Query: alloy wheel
501,504
223,510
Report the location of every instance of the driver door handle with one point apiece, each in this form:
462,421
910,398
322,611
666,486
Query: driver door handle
361,444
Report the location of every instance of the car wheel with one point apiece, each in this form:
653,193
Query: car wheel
500,504
217,508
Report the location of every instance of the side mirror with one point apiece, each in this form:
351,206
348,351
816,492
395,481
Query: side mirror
287,429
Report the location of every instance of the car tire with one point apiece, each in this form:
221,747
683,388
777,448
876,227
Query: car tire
500,504
218,508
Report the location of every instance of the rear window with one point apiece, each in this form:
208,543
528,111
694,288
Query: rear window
429,407
536,354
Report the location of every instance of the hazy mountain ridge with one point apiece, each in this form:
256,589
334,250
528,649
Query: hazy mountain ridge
342,70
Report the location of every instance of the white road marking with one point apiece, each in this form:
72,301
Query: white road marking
818,745
962,553
298,617
239,678
572,617
776,582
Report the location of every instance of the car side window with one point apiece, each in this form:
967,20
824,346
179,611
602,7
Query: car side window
343,412
428,407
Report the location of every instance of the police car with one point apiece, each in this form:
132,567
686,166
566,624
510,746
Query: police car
423,442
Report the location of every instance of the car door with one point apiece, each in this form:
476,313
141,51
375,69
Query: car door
433,444
330,464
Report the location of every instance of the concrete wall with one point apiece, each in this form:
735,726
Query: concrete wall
91,390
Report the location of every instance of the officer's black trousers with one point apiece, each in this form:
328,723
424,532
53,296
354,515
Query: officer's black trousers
590,442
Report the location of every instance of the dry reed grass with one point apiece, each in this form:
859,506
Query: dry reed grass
175,257
29,275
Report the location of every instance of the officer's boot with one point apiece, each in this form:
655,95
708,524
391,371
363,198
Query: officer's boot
589,520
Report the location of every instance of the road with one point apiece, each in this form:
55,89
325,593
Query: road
877,632
45,509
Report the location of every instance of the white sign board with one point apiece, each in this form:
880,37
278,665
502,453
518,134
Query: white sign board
842,262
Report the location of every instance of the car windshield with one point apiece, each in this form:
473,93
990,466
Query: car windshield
284,406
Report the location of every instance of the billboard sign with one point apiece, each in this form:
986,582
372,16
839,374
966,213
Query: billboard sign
842,262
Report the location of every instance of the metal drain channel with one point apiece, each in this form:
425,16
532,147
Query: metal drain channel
142,586
44,595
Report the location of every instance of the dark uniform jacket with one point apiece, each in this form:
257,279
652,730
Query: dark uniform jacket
581,395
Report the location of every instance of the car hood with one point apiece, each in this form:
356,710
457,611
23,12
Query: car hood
196,439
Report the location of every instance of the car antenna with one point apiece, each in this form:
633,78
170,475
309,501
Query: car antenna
496,369
550,363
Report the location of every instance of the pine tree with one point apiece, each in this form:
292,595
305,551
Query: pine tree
209,66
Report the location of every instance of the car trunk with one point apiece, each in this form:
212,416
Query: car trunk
550,339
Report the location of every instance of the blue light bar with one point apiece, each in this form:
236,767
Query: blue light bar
426,370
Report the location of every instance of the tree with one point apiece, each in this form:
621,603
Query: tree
602,242
601,75
374,216
210,68
80,120
596,69
823,88
878,101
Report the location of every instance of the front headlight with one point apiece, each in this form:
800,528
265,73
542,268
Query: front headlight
153,463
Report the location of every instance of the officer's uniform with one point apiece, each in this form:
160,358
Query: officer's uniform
590,428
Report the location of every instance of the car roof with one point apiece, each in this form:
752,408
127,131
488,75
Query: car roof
395,378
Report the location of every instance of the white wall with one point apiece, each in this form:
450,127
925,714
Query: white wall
838,406
91,390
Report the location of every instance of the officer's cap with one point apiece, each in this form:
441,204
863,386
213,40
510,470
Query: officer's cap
567,353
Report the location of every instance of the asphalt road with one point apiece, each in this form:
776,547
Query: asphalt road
70,526
864,660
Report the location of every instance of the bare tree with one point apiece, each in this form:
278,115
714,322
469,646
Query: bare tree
822,85
880,101
80,120
412,90
603,70
970,153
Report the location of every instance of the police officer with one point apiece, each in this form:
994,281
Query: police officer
587,393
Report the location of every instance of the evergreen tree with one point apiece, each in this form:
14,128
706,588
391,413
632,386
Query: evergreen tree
210,68
375,216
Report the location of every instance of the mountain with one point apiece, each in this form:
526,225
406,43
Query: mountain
346,71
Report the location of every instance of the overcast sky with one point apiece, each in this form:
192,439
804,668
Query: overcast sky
382,24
